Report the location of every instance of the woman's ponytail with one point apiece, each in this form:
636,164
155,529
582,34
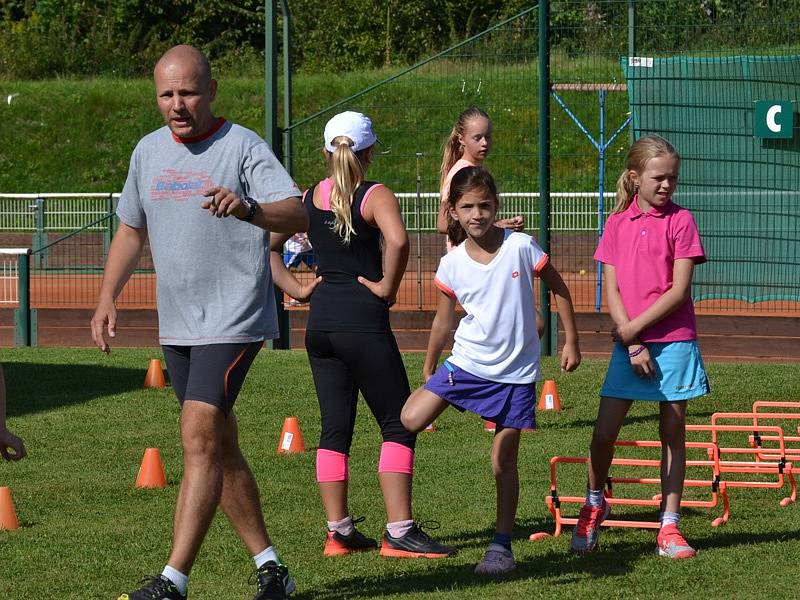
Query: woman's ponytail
347,175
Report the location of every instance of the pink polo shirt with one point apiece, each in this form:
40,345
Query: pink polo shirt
642,247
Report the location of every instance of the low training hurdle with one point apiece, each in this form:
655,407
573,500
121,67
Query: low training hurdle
715,485
770,461
779,468
760,413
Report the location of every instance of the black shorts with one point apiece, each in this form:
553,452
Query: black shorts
213,373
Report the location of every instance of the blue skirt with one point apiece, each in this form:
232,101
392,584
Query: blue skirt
679,374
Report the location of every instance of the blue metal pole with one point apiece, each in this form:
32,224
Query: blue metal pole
575,119
600,199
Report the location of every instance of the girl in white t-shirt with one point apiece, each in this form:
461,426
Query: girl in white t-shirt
495,360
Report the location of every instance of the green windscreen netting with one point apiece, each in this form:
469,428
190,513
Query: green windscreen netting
743,190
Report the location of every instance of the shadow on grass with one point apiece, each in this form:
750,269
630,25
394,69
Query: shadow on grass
33,388
558,565
721,539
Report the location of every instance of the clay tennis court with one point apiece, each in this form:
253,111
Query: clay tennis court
65,295
417,292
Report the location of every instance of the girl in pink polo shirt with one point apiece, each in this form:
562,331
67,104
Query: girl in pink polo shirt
649,249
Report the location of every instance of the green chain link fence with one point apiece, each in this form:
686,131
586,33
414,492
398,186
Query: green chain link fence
689,70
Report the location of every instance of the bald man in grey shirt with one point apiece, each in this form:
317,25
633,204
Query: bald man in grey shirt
214,295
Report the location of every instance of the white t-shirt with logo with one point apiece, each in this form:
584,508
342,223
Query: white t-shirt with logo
497,338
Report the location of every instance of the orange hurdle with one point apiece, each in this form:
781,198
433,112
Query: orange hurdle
716,485
780,467
756,439
772,461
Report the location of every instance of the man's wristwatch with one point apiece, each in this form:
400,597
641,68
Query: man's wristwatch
252,207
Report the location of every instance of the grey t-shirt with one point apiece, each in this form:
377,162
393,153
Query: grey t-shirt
214,281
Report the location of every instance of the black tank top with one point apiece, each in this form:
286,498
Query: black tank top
340,302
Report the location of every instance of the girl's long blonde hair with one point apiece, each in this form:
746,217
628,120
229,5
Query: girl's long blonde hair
641,151
452,147
347,172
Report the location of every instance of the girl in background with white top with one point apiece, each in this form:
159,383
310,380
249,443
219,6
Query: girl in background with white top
495,360
649,249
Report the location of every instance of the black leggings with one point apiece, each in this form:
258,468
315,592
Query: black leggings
344,363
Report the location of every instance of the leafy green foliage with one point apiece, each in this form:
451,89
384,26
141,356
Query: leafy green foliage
53,38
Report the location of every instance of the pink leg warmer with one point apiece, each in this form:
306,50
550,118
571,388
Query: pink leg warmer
396,458
331,466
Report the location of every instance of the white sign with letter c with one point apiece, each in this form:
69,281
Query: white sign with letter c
772,113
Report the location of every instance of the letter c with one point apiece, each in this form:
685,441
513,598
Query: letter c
773,112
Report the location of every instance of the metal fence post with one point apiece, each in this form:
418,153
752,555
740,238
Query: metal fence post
631,27
418,208
273,137
287,87
631,45
39,237
550,338
110,229
22,316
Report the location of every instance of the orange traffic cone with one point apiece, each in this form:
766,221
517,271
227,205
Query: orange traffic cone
155,375
8,516
151,473
431,426
549,399
489,426
291,438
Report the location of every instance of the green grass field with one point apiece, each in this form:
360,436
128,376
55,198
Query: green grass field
87,533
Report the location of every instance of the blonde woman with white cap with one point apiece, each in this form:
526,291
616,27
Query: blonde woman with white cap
349,341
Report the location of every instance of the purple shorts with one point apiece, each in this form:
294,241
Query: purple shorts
506,404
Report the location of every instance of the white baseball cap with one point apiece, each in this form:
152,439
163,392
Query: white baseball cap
355,125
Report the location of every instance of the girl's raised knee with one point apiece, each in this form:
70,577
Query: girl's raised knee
409,420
